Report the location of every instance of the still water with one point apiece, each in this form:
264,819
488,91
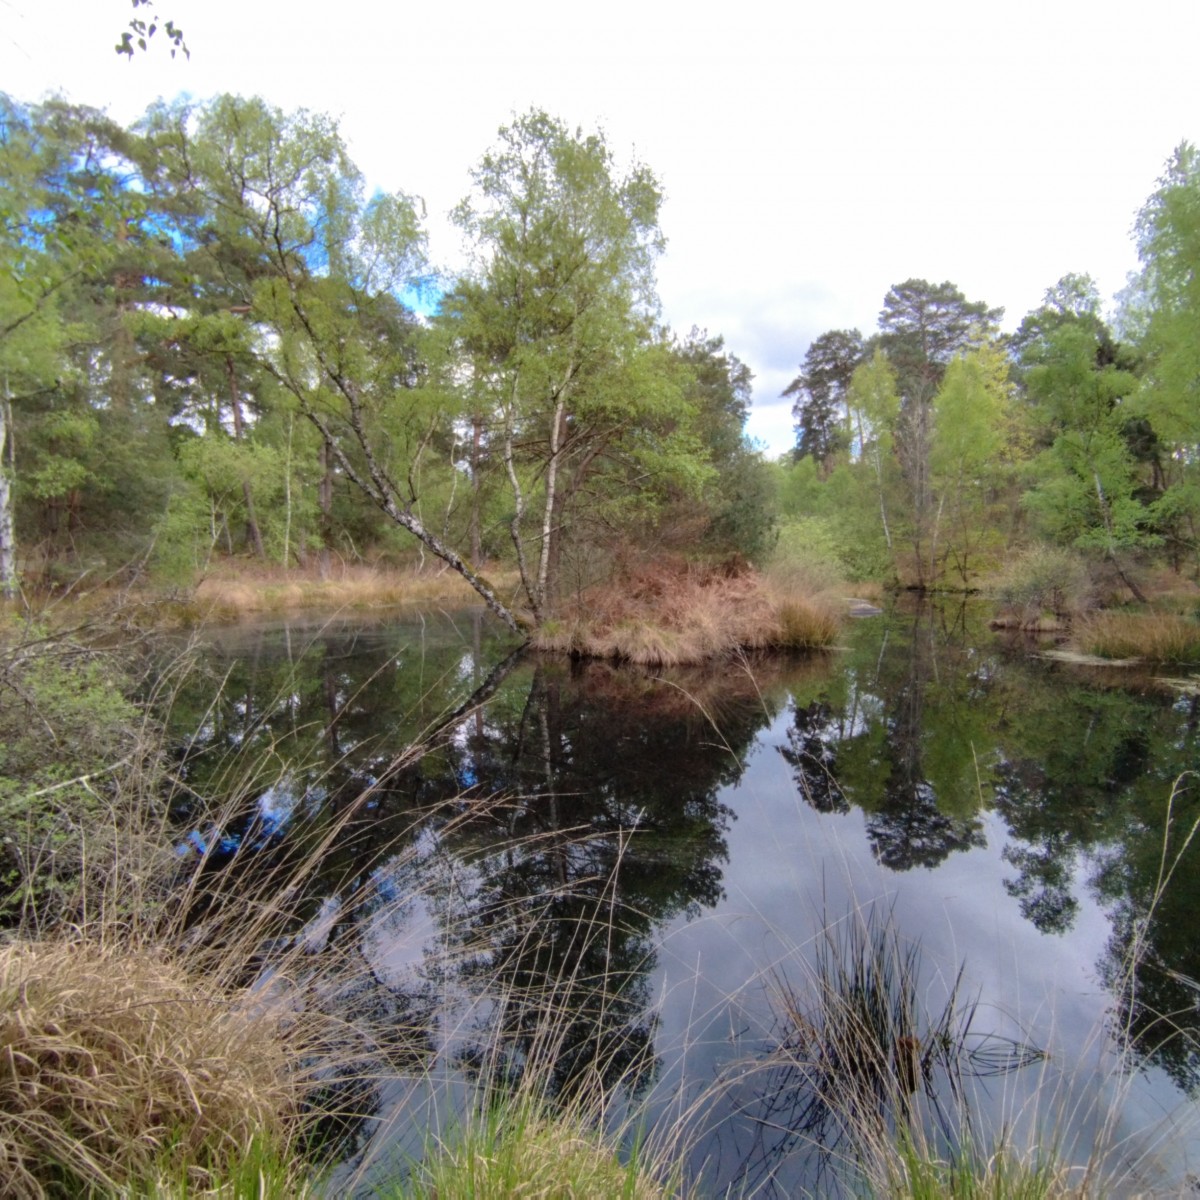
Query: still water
651,864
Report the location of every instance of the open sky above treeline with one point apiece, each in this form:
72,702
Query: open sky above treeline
812,155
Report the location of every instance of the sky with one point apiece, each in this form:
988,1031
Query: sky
812,155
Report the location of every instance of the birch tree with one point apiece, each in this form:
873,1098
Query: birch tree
556,316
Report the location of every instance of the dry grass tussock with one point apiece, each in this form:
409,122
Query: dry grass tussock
668,614
1156,637
116,1068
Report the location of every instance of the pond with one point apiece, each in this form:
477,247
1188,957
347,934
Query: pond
667,867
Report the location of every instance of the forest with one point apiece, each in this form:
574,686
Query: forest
216,346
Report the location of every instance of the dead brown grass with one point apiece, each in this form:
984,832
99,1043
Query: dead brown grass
1156,637
116,1067
233,591
673,613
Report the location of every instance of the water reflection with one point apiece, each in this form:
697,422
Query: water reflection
520,874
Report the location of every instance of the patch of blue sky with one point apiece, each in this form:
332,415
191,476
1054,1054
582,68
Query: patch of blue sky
424,295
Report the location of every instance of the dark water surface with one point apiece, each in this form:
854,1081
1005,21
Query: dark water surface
666,848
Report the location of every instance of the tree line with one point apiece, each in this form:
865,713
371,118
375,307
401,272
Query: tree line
216,341
936,443
212,343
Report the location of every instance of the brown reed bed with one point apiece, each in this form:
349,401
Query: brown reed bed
670,614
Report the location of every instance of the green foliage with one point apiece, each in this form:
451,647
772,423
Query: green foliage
967,461
811,544
821,392
596,424
1044,580
142,30
923,327
1168,294
65,727
177,297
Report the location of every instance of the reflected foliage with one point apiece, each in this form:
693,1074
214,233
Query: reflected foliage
536,846
933,723
894,736
525,865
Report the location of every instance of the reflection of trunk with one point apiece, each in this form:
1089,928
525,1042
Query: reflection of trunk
450,722
548,698
332,709
476,666
8,544
253,533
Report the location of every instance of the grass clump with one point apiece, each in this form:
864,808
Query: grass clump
117,1069
865,1068
674,613
520,1148
804,625
917,1173
1156,637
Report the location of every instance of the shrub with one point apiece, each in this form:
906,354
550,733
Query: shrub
70,740
1044,581
817,550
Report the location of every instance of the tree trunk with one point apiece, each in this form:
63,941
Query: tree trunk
8,543
476,457
545,583
253,533
374,483
325,503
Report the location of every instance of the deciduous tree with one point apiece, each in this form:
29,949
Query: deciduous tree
556,318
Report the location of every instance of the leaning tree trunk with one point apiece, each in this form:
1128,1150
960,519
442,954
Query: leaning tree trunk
372,479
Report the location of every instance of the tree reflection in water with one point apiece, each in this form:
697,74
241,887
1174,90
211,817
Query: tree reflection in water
1079,765
534,848
516,876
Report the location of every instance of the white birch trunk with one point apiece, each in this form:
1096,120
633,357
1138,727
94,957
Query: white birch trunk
8,543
